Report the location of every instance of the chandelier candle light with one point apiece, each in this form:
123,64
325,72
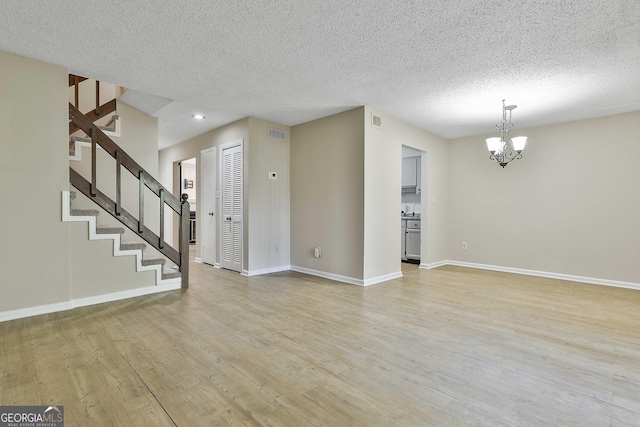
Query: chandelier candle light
503,149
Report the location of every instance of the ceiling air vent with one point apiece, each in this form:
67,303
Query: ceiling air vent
376,121
280,135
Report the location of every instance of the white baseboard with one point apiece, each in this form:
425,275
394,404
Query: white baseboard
116,296
382,278
330,276
569,277
34,311
198,260
83,302
266,271
346,279
433,265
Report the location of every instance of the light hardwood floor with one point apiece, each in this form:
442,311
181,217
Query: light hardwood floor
443,347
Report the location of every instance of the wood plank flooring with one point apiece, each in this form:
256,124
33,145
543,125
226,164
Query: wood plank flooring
444,347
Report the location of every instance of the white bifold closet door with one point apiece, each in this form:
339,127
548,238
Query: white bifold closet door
232,208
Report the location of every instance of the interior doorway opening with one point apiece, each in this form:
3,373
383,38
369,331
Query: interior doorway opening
413,206
188,185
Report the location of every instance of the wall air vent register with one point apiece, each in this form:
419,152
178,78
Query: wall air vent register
376,121
280,135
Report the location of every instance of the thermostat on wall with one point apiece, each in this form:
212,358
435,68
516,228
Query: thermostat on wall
273,175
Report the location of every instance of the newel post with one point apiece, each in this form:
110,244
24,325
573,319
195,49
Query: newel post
184,240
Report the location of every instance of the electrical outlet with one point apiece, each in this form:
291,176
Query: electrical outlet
464,245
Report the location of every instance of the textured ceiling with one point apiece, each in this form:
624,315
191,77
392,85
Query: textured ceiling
442,65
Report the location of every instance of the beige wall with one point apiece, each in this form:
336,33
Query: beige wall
570,206
268,210
383,175
34,254
327,194
191,148
266,202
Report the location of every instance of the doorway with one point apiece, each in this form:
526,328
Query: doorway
187,171
208,196
412,206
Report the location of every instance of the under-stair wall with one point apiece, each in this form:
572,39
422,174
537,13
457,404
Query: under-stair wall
107,275
34,242
130,266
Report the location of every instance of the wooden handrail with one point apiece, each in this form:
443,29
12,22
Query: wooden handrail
125,217
146,180
131,165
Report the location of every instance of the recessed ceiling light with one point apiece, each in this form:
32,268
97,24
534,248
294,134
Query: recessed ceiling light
199,116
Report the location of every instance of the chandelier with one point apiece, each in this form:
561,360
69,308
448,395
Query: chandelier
503,149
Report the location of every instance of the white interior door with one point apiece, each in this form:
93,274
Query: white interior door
232,208
208,206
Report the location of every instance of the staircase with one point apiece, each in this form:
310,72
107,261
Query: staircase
149,248
144,262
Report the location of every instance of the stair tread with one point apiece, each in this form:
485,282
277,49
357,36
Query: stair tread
110,230
153,261
85,212
172,275
132,246
80,139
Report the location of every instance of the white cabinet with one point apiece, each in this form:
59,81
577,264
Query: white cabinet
410,239
412,247
411,174
403,238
